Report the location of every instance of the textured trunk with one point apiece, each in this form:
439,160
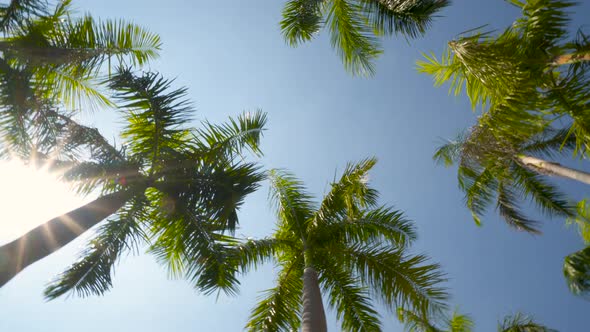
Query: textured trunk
570,58
551,168
314,318
56,233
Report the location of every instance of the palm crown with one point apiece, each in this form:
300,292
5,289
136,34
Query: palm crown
64,54
492,168
355,250
168,185
533,66
355,25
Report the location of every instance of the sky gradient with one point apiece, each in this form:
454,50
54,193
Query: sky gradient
231,56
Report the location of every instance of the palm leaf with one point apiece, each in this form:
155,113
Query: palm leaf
576,269
92,274
278,309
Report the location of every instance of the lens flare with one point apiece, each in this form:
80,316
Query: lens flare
30,197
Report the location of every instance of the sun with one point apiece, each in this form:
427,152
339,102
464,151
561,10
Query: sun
30,197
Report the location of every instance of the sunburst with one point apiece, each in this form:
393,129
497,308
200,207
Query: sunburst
29,196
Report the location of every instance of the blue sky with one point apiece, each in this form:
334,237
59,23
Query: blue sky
232,58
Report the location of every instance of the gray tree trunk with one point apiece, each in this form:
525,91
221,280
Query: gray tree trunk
56,233
314,317
551,168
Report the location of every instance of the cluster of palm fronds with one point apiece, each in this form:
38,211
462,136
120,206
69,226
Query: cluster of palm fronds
355,25
533,86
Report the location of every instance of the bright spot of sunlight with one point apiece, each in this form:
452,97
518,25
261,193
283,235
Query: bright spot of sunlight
29,197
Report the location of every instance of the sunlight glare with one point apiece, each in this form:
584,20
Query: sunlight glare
30,197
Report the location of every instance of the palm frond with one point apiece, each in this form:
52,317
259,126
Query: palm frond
351,301
293,205
449,153
546,196
410,18
279,308
576,269
154,115
251,253
92,274
230,139
373,226
521,323
415,322
349,194
506,205
398,279
460,323
13,16
301,20
352,38
190,246
480,188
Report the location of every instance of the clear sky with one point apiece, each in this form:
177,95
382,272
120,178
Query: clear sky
232,58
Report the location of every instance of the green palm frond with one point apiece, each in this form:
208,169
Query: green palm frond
353,40
348,193
511,213
14,15
547,197
92,274
351,301
219,190
410,18
67,54
383,224
543,22
398,279
252,253
356,25
231,138
190,246
582,220
293,205
449,153
576,270
480,188
551,143
415,322
154,114
521,323
301,20
460,323
278,309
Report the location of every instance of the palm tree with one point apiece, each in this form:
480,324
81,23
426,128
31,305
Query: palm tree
176,187
533,65
463,323
355,25
502,167
347,249
62,54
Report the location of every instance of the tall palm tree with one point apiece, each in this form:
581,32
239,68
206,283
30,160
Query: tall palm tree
501,167
347,249
355,25
534,64
463,323
64,54
176,187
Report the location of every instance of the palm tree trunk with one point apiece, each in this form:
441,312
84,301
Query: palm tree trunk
56,233
551,168
314,318
570,58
